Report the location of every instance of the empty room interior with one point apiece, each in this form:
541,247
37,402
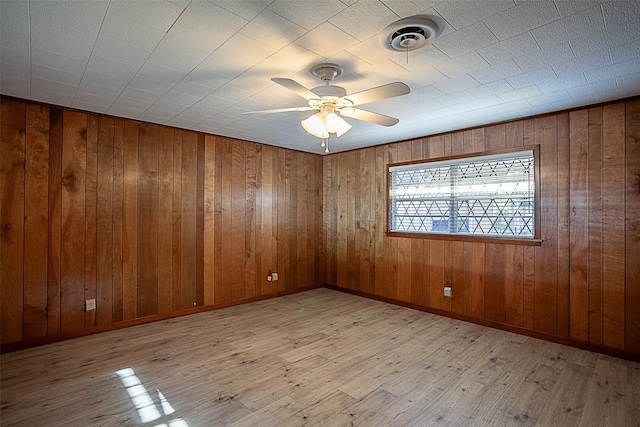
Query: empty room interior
320,212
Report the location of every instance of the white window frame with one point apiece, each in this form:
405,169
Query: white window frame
526,218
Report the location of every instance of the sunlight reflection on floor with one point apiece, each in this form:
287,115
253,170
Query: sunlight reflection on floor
146,407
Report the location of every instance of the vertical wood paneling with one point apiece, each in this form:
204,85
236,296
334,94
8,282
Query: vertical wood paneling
302,211
514,134
362,210
457,143
200,221
290,273
341,229
91,219
250,221
514,284
36,187
495,285
579,230
188,223
381,219
467,273
495,137
546,255
477,279
268,244
615,240
105,225
448,266
478,141
417,271
130,222
327,255
238,219
72,241
436,274
176,285
528,291
632,226
209,232
595,225
118,220
147,230
131,211
350,218
55,204
314,217
426,273
217,222
199,260
12,216
563,238
226,163
282,168
165,220
457,277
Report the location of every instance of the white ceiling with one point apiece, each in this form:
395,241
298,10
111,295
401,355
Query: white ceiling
200,64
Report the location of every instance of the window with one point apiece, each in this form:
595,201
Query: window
486,195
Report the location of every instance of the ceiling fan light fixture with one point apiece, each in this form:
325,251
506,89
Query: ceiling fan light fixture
336,124
315,126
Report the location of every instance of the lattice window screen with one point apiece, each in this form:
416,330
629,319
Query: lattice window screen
484,195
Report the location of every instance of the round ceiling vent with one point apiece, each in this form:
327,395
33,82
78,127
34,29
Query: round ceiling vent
411,33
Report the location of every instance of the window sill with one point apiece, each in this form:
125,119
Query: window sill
467,238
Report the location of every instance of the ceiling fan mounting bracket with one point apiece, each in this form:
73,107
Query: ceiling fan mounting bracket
327,71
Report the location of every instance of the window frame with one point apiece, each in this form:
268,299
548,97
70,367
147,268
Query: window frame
536,240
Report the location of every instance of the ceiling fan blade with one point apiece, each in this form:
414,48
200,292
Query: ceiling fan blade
295,87
281,110
378,93
368,116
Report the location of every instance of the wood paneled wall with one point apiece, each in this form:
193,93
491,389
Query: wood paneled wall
148,220
582,283
153,221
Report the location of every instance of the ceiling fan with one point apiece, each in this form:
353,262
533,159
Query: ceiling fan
332,102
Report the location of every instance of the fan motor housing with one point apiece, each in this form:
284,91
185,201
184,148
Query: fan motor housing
329,91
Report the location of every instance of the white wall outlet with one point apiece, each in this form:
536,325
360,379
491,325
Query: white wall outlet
447,291
269,277
274,276
90,305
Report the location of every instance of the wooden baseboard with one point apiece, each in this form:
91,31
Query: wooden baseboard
34,342
621,354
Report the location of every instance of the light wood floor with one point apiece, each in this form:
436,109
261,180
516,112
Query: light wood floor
315,358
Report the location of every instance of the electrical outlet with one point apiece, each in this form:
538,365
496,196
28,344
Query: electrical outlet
90,305
274,276
447,291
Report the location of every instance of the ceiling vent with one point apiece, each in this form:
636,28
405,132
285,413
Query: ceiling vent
411,33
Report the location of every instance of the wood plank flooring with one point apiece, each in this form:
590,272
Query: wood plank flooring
319,357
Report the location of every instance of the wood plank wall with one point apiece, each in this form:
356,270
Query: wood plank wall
148,220
582,283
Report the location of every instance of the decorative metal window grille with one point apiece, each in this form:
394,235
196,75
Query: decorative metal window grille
489,195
